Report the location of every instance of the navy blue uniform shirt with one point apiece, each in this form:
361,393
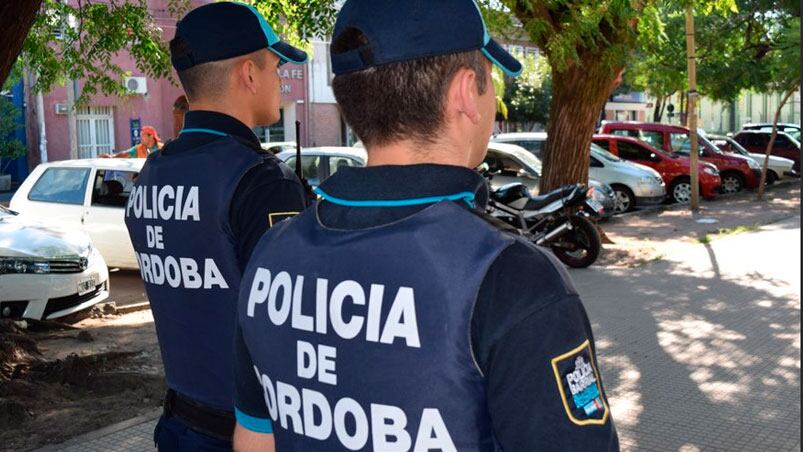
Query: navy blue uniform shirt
529,329
266,194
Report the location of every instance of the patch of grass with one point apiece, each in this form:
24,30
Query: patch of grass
722,232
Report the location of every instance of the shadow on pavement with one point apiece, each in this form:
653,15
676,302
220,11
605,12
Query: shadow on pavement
697,363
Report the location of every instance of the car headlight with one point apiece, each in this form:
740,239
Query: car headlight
753,165
13,265
646,180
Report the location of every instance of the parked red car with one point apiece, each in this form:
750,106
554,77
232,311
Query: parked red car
673,168
736,171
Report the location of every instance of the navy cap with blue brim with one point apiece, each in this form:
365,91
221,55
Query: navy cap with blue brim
402,30
219,31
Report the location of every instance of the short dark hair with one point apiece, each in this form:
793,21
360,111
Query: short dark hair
404,100
209,80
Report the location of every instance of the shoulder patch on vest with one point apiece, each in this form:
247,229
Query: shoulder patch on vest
276,217
579,386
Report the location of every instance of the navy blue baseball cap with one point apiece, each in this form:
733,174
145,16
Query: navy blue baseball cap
219,31
401,30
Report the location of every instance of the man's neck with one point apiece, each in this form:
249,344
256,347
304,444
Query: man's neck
408,152
228,108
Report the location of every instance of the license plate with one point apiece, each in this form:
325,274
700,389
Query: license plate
87,285
594,205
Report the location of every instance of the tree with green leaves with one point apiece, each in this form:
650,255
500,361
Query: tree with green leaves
10,147
735,47
785,78
527,97
78,39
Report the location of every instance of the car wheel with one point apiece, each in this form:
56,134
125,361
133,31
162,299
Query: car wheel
624,200
681,191
732,183
772,177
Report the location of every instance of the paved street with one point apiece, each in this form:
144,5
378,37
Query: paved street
700,350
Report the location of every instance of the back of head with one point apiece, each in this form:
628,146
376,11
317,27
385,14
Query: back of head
404,74
225,52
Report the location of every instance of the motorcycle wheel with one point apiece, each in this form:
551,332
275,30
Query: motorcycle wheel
580,247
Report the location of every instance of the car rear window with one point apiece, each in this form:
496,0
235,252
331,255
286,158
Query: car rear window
61,185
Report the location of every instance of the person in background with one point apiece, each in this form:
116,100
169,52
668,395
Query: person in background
148,142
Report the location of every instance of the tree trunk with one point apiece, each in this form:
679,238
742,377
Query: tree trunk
16,19
791,90
579,93
658,111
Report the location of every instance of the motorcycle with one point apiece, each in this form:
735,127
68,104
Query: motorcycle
558,220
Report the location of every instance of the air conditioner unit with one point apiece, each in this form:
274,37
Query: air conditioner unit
62,109
136,85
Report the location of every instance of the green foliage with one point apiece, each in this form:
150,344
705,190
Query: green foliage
499,89
10,148
529,95
80,42
299,20
739,47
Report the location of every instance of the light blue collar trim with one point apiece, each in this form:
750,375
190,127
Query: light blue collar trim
466,196
209,131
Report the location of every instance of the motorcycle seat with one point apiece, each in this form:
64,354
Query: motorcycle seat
541,201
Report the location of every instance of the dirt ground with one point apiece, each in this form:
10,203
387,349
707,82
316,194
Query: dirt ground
59,382
648,236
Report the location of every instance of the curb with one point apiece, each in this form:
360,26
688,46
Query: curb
114,428
144,306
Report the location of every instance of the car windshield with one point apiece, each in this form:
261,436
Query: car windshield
602,153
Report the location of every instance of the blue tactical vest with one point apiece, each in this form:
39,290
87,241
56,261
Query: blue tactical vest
178,220
361,338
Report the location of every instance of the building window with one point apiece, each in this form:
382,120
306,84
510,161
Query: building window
517,51
532,52
95,127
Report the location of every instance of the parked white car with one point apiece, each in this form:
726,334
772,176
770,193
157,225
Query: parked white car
777,168
89,195
634,184
276,147
47,272
321,162
531,141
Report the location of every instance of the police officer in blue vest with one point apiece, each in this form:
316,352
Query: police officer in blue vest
392,316
199,207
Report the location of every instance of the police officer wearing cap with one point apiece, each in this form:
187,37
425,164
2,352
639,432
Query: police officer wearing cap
201,204
393,316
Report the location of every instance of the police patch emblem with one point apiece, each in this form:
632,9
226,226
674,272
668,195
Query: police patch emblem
276,217
579,386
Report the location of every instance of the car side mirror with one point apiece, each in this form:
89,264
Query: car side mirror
483,168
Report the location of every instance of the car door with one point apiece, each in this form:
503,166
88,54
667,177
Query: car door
58,196
785,147
104,217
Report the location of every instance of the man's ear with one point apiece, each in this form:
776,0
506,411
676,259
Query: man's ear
246,72
464,95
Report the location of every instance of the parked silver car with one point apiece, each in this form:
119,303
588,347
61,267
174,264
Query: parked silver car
634,184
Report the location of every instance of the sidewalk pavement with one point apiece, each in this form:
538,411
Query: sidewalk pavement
133,435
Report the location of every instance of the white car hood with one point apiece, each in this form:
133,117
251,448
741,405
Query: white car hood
24,238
